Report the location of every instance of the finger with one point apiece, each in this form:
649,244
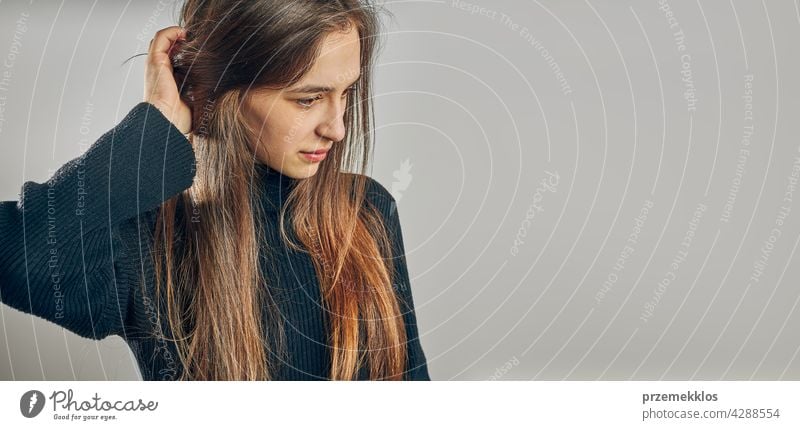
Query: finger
165,38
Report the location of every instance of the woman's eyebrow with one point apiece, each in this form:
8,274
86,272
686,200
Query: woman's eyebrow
313,88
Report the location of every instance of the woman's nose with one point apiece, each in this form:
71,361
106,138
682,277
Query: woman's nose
333,128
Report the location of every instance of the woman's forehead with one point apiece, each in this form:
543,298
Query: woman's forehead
338,64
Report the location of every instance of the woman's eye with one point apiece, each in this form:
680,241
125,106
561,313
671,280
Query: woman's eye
350,90
308,102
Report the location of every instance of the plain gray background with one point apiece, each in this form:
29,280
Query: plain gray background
629,105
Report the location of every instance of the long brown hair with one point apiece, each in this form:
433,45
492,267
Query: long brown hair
206,245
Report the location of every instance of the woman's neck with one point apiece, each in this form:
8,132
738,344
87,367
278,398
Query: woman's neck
276,186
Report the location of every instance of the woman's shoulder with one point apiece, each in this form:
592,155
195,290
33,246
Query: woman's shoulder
378,198
376,193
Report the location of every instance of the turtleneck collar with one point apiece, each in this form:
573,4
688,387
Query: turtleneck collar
276,186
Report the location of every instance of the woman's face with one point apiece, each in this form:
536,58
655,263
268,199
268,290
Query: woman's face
307,116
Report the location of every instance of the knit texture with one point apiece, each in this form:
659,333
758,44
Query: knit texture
75,251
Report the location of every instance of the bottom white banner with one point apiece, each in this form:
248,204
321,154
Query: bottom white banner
392,405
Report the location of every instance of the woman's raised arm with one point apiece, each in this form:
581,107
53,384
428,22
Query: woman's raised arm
56,242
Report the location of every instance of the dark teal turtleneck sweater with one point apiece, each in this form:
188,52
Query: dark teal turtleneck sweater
75,251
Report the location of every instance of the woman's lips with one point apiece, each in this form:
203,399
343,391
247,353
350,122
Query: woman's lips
315,156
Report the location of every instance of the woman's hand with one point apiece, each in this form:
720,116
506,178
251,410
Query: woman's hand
160,88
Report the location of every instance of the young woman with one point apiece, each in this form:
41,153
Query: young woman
215,228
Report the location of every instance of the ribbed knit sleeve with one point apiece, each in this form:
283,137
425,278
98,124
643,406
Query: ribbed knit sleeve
417,368
60,251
